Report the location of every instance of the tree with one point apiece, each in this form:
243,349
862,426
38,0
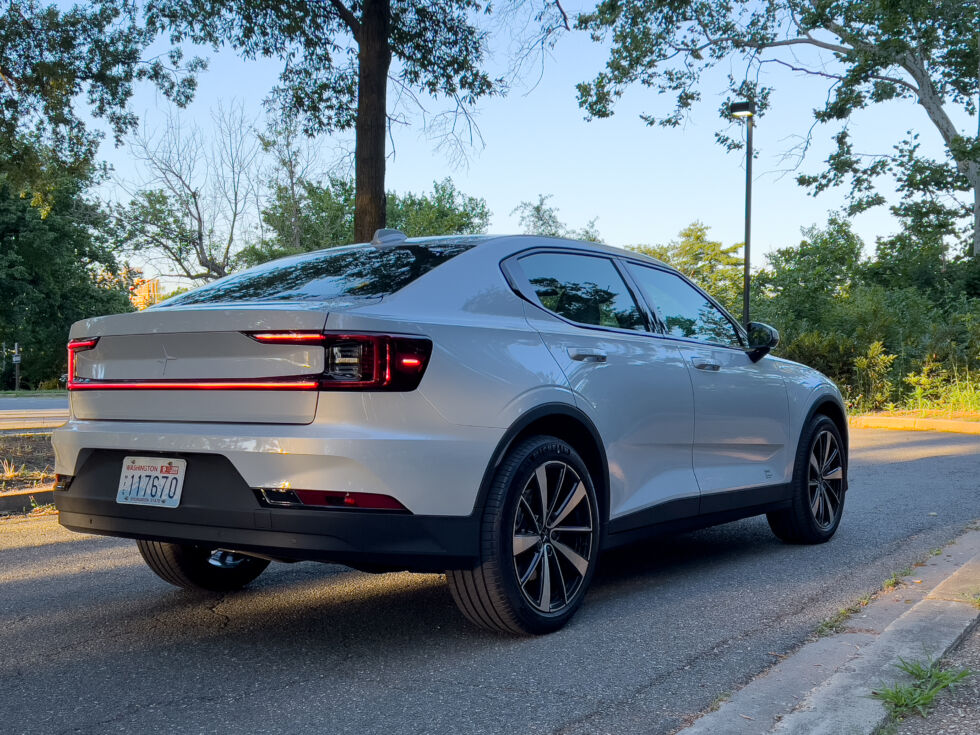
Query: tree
805,280
325,217
339,56
539,218
53,62
870,53
708,263
54,270
192,210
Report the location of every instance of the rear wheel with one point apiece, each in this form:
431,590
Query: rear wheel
818,487
200,567
539,542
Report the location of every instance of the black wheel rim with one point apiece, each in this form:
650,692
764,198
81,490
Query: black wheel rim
825,479
553,537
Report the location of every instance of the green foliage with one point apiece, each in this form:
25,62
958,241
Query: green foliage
53,271
714,267
54,61
869,53
539,218
871,369
927,680
322,216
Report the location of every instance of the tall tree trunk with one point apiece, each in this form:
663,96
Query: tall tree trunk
976,217
374,58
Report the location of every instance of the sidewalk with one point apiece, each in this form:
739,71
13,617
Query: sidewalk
826,687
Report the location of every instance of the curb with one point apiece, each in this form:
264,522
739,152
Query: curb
20,502
825,687
910,423
33,419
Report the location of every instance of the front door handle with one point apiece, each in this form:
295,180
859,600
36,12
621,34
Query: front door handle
584,354
702,364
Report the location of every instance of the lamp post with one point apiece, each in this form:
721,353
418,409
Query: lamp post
746,111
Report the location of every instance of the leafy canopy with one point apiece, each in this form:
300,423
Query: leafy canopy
869,52
59,65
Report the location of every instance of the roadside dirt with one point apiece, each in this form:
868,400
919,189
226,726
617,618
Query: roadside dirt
26,462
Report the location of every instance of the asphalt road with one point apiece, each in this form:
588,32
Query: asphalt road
29,403
92,642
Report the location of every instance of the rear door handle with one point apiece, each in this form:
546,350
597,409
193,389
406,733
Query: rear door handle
584,354
702,364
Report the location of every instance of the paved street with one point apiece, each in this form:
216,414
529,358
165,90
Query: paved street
29,403
92,642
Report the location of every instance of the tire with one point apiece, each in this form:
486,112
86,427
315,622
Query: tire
818,487
532,576
200,567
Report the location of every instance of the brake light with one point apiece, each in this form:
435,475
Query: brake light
75,346
289,498
362,361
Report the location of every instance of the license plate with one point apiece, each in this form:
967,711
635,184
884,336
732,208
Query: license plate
155,481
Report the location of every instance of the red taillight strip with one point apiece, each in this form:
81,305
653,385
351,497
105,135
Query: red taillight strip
229,384
288,337
77,345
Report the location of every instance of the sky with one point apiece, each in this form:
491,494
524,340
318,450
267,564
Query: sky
642,184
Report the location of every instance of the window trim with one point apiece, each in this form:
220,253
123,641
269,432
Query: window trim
521,285
740,332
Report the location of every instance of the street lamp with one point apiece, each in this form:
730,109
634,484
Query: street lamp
746,110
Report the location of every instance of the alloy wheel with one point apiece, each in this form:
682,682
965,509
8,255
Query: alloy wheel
825,479
553,536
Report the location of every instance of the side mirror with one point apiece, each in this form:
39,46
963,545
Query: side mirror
762,338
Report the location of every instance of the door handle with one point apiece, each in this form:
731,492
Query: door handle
584,354
702,364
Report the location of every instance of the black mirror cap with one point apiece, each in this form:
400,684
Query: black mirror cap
762,339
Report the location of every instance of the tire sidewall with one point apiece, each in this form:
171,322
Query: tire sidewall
801,493
510,483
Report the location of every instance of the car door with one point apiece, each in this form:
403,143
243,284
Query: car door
742,455
630,381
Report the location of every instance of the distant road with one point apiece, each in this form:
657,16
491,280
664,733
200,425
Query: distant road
29,403
32,412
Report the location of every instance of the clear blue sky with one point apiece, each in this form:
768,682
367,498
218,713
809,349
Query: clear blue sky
644,184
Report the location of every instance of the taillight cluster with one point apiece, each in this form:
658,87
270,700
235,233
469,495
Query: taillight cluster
363,361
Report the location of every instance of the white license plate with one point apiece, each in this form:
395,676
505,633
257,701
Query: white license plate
155,481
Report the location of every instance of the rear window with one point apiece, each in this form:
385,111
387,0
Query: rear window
348,272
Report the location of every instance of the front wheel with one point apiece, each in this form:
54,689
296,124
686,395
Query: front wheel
818,488
200,567
539,542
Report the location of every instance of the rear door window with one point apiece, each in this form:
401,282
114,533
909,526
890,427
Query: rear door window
685,311
583,289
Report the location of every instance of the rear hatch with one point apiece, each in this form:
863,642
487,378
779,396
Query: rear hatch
140,362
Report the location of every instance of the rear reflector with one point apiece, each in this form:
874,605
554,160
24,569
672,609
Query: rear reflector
287,497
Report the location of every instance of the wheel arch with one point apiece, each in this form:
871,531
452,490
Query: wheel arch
565,422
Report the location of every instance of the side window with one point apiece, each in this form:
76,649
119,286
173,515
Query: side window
583,289
684,310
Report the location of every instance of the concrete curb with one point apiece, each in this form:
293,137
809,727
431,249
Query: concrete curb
825,687
910,423
20,502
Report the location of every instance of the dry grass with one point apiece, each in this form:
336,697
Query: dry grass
26,462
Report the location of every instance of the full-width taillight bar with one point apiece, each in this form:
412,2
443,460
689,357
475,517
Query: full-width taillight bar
351,362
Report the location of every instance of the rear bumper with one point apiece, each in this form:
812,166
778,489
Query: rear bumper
219,509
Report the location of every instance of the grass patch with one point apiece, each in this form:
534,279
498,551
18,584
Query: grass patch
837,623
928,679
896,579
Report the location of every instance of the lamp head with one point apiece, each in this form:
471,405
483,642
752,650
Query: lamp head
742,109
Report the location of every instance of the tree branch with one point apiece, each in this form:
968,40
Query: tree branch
564,15
347,16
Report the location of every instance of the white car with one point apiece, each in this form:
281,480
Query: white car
504,408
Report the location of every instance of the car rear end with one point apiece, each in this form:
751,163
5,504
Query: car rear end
244,416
